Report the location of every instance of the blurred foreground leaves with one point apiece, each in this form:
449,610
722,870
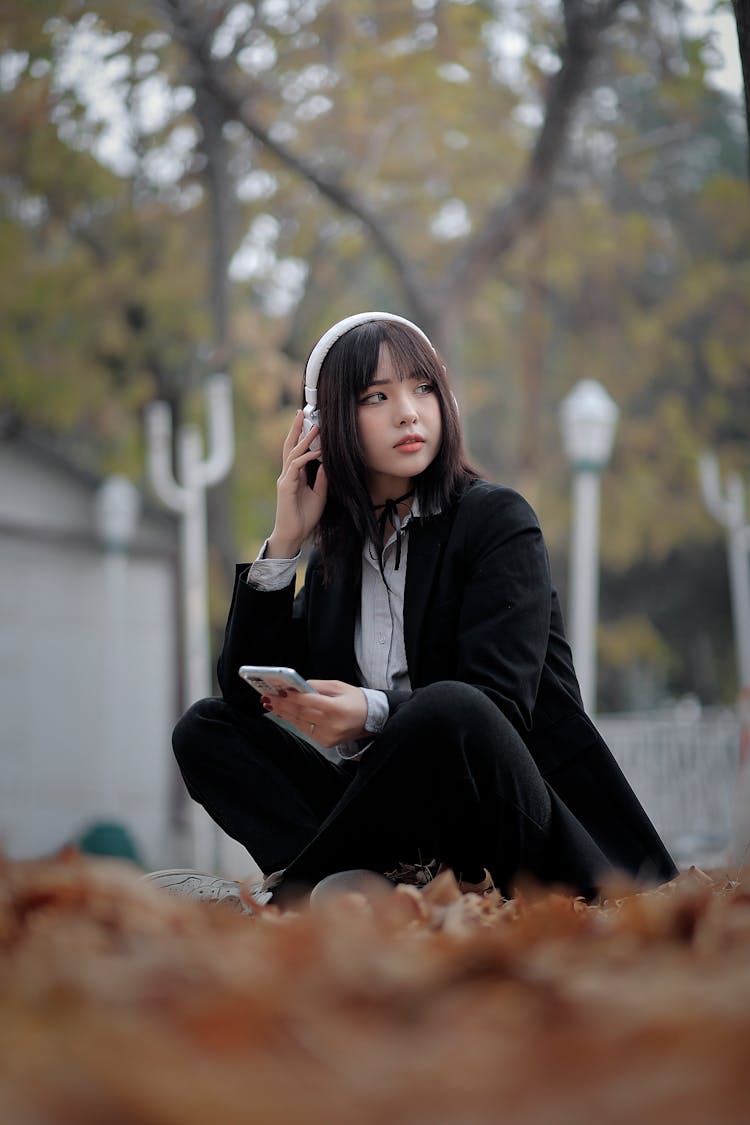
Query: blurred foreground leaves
123,1003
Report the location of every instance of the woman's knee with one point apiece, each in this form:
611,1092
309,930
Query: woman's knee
452,704
448,720
190,733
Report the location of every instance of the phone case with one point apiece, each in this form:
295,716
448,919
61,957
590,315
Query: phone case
270,681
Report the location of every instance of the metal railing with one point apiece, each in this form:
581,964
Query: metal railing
683,764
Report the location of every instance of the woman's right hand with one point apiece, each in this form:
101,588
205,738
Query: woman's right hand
298,507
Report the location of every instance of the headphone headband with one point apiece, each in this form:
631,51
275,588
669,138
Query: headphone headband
326,342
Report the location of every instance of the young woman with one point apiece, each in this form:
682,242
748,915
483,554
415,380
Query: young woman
432,635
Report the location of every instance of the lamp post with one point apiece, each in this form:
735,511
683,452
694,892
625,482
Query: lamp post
588,418
185,493
117,508
727,505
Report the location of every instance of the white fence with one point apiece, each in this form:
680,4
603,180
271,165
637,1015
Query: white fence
683,764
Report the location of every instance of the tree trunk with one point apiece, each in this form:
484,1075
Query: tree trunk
742,17
533,330
219,190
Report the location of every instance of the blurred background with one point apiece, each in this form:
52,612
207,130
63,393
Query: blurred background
555,191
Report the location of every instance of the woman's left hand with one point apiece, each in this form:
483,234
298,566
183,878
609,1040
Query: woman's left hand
334,713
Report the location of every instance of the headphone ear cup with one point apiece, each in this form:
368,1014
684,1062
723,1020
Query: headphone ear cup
310,418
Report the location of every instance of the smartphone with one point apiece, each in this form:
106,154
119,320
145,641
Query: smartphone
272,681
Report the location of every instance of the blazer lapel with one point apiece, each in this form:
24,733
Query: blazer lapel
427,539
332,632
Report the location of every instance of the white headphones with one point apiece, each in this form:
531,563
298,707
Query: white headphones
311,414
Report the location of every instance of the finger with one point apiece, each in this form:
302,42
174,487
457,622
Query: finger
304,442
292,437
305,719
290,472
303,456
330,688
302,446
294,702
306,705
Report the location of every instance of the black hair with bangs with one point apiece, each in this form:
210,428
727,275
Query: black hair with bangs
348,369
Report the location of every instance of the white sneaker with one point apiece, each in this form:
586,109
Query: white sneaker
368,883
184,882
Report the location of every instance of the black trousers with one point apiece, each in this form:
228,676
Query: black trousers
449,778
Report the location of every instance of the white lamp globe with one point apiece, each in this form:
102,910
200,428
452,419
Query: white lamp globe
588,417
117,507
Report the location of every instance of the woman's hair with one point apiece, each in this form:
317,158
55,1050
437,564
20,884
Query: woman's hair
348,369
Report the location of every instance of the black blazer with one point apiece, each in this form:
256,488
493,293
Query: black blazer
479,607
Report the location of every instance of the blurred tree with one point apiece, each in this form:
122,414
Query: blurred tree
96,278
553,190
742,19
438,302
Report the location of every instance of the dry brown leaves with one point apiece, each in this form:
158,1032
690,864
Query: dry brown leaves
120,1004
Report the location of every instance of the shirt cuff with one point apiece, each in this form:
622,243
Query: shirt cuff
377,717
272,574
377,710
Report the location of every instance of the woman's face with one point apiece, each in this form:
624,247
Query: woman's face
400,429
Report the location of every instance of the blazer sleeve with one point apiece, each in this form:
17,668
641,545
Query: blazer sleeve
263,627
504,619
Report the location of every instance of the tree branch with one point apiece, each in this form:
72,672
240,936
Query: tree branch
506,222
236,106
584,22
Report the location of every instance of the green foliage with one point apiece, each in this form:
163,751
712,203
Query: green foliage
100,291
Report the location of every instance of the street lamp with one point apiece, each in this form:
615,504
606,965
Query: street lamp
588,418
117,509
185,492
117,506
727,505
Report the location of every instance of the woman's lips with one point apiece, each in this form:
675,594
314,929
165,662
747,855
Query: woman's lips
410,443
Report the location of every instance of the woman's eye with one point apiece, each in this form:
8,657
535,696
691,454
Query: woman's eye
374,396
425,389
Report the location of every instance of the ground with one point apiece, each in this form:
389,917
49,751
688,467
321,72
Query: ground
121,1004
